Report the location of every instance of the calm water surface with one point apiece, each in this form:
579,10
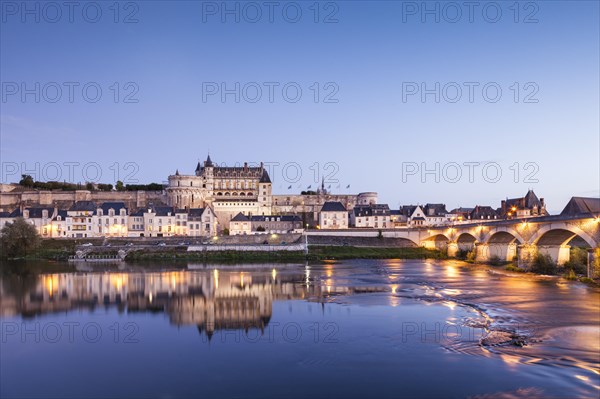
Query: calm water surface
343,329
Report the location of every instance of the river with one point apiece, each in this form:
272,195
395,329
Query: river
361,328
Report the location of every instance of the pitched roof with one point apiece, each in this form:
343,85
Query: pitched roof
372,210
582,205
273,218
116,206
333,206
240,217
138,213
196,211
89,206
36,212
435,209
163,210
265,177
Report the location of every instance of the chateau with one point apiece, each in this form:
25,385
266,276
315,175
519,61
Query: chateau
228,190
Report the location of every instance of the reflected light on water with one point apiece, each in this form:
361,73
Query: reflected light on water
451,271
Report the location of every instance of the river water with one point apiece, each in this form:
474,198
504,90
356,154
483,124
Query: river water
376,328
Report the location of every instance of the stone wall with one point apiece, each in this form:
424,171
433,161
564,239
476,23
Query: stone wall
64,199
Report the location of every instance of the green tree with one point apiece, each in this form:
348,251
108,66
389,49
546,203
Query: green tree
120,186
18,238
26,181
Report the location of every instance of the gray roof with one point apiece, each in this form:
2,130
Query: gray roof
283,218
195,212
116,206
438,209
265,177
84,206
240,217
333,206
36,212
372,210
582,205
163,210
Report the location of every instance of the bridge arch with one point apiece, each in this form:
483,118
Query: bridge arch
436,241
500,243
466,241
503,235
562,234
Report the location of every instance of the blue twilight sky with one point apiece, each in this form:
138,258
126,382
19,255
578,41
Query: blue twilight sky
366,125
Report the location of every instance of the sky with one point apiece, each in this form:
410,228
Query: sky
419,101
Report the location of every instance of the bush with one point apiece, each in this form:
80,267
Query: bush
570,275
577,261
18,239
543,264
471,255
513,268
495,260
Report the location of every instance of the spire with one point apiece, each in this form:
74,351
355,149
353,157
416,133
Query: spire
265,177
198,167
208,161
177,172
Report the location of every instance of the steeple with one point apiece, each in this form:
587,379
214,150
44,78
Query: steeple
198,167
177,172
208,161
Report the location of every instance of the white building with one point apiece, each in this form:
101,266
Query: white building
113,220
240,225
81,220
375,216
333,215
202,222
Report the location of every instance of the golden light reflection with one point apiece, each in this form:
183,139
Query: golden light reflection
394,289
216,277
511,360
51,284
118,280
274,274
451,271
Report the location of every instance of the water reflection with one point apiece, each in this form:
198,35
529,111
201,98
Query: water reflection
379,311
211,299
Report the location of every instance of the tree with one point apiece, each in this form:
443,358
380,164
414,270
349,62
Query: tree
120,186
18,238
26,181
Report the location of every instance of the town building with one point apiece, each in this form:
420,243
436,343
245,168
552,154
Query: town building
113,219
528,206
81,220
240,225
202,222
376,216
333,215
159,221
276,224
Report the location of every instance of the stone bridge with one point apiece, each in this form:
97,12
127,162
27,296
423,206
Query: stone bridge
518,238
505,239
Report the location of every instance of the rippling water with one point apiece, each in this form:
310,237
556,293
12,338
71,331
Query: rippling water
340,329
